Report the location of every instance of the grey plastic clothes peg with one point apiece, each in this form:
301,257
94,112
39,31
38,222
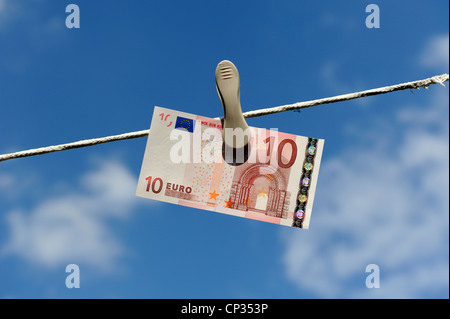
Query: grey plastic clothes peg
236,133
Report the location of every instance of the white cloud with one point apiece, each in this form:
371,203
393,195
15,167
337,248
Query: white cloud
5,8
6,180
331,75
436,53
386,205
72,228
2,5
333,21
38,28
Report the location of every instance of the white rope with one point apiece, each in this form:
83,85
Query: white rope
438,79
351,96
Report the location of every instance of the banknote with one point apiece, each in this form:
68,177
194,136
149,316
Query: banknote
184,164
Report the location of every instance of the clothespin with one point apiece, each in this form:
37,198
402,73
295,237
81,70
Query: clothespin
236,134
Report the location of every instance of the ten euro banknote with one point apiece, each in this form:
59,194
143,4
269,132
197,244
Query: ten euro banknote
183,164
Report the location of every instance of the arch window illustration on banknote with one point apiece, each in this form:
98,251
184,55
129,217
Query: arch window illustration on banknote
248,182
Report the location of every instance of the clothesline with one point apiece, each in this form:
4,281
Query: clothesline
425,83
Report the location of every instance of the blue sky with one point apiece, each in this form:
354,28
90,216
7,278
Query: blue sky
382,196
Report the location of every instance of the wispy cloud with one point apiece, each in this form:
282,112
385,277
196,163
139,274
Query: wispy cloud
436,53
3,7
73,228
386,205
38,29
332,77
7,11
5,181
332,21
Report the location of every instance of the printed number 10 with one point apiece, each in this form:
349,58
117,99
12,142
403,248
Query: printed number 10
153,184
